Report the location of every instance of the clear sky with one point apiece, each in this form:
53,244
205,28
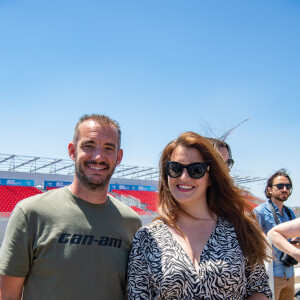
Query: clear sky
159,68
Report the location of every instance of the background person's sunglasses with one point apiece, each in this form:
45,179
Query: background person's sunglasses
230,163
195,170
281,185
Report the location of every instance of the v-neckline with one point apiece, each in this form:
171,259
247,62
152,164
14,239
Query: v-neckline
185,253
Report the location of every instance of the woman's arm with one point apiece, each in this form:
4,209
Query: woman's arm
258,296
280,233
257,285
138,284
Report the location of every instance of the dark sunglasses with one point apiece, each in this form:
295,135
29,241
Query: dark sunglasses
195,170
281,185
230,163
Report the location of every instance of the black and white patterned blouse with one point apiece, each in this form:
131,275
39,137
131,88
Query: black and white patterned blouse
159,268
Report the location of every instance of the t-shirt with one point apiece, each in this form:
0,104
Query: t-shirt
160,269
68,248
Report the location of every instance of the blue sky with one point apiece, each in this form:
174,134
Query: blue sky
159,68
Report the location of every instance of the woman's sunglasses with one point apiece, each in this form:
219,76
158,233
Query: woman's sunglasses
195,170
281,185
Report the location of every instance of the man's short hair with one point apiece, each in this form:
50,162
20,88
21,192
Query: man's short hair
101,120
220,144
281,172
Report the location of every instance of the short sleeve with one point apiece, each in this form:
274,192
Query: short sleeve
139,286
257,281
15,253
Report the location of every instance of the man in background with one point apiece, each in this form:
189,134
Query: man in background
278,190
224,149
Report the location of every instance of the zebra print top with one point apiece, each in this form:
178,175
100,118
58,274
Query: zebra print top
160,269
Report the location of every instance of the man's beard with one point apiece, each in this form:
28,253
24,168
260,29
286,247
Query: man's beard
84,180
280,198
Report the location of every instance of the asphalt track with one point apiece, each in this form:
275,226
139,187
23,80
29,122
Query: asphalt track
3,223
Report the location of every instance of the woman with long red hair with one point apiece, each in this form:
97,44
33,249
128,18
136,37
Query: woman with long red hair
205,244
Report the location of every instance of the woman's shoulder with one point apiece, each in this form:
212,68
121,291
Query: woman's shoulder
153,227
153,230
149,234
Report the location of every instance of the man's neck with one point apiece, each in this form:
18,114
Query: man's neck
279,204
91,196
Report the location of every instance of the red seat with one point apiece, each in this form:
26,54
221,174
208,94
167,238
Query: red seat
10,195
150,198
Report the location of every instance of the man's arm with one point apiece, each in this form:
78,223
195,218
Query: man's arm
11,287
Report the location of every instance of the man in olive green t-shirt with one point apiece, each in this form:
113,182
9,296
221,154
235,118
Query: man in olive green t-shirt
74,242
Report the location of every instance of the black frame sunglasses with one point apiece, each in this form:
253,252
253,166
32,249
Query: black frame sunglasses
230,163
280,186
195,170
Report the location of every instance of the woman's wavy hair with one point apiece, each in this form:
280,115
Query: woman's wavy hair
224,199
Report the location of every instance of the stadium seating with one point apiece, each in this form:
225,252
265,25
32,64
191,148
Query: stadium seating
139,210
148,198
10,195
48,188
145,201
252,201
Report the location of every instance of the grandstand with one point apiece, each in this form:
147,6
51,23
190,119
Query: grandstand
25,176
10,195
